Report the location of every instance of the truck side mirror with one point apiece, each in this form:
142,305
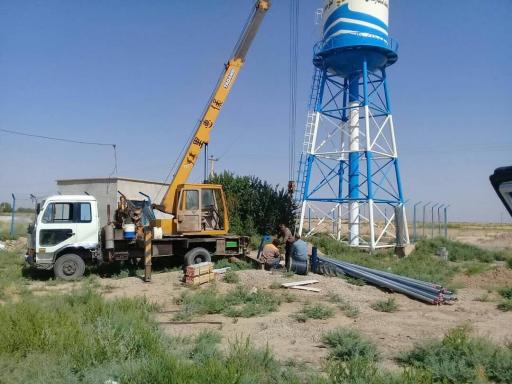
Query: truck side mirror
501,180
38,208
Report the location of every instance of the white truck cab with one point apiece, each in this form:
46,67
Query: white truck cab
65,235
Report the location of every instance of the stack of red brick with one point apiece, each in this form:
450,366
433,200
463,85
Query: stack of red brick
198,274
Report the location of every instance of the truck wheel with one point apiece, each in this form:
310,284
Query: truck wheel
196,256
69,267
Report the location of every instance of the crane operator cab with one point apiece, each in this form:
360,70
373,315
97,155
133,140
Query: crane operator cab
200,209
501,180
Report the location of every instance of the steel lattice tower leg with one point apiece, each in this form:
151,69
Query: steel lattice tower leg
349,177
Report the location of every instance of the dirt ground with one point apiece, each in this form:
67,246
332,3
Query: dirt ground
289,339
488,236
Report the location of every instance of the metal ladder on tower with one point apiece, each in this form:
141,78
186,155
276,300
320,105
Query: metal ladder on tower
308,137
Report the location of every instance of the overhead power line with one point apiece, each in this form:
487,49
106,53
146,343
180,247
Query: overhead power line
114,146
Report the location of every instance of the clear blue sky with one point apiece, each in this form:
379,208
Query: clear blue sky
138,73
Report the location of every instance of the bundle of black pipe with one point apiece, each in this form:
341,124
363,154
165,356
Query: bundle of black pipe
421,290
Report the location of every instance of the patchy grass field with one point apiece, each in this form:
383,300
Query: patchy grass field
242,330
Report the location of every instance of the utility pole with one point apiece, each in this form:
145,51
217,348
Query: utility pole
414,221
13,214
212,160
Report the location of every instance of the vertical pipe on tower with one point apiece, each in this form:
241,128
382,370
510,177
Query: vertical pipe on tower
353,159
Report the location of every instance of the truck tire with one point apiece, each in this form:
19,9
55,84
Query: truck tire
196,256
69,267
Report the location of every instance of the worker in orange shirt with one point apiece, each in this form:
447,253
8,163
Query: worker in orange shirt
270,255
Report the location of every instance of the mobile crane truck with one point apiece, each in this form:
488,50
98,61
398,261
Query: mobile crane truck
67,233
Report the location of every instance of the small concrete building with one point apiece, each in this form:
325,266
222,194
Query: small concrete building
105,191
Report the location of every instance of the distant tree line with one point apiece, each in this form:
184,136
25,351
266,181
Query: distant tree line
254,205
7,208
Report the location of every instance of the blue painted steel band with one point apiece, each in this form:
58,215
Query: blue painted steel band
365,83
310,159
353,175
345,100
386,90
356,28
399,181
353,157
340,179
353,88
318,106
345,12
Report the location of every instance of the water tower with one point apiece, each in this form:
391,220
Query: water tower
349,181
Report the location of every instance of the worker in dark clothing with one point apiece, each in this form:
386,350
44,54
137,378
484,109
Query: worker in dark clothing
287,238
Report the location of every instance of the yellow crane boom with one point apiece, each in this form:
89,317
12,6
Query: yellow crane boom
221,92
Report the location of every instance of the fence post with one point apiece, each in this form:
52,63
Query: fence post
424,212
414,221
446,221
13,214
439,218
432,219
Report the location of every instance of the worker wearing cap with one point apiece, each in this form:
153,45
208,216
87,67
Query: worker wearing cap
270,255
286,236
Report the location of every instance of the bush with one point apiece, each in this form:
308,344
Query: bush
459,251
347,344
505,305
313,311
255,206
506,293
509,262
348,309
388,305
422,264
364,371
459,358
239,302
231,277
240,265
81,338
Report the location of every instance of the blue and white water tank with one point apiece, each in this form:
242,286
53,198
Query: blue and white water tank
354,31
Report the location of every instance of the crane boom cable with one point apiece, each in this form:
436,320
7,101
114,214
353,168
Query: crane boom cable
294,42
173,169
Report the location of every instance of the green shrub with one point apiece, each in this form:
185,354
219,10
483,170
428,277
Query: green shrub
509,262
459,358
421,264
505,305
506,292
459,251
313,311
238,266
255,206
348,309
289,297
364,371
81,338
239,302
347,344
205,346
388,305
475,267
231,277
